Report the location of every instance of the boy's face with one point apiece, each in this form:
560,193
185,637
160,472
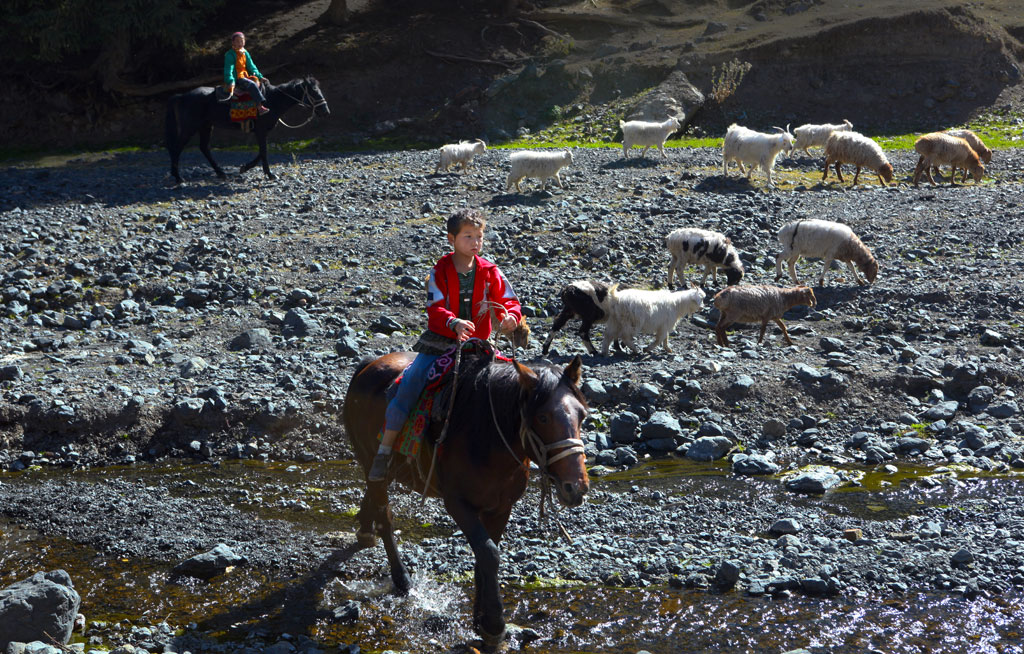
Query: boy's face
468,242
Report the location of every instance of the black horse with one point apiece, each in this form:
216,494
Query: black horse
199,111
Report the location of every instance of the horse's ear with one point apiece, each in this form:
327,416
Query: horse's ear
572,371
527,378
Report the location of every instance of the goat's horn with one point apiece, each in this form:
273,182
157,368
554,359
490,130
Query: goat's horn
776,127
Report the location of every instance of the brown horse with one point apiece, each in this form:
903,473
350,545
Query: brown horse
504,414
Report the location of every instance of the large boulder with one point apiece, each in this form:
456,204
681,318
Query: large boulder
209,564
44,604
676,97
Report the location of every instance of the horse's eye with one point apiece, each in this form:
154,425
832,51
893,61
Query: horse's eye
543,418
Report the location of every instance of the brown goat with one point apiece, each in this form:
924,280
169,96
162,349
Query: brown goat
938,148
758,303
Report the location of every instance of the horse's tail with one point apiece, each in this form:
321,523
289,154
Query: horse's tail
171,122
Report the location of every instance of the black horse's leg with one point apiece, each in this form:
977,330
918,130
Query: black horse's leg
204,146
262,138
488,612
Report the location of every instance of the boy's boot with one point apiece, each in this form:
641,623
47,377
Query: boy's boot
379,468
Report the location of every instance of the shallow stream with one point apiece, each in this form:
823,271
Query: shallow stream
434,617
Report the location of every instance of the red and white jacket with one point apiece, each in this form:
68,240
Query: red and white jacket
488,284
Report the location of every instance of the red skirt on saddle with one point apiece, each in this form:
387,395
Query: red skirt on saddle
244,108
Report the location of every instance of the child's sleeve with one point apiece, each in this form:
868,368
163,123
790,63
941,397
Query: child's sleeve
502,293
438,314
229,68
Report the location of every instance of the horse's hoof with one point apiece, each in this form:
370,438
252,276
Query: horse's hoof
366,539
491,641
403,583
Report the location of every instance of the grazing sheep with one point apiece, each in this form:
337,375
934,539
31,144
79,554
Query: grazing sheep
586,299
691,246
647,134
857,149
758,303
939,148
829,241
744,145
539,165
979,147
817,135
633,311
461,153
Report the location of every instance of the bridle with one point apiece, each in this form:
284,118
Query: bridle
308,102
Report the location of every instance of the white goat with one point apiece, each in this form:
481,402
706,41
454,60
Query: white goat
758,303
817,135
539,165
857,149
692,246
632,311
646,133
937,149
744,145
461,153
829,241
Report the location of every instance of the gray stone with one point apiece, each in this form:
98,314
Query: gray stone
941,411
709,448
209,564
193,367
675,98
280,647
347,346
1003,410
753,464
786,526
347,612
774,428
190,408
257,338
979,398
299,323
830,344
974,437
728,574
45,603
11,373
662,425
385,325
623,427
962,558
595,392
992,338
816,482
742,385
911,443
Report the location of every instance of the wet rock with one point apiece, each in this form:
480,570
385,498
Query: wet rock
347,612
709,448
257,338
753,464
728,574
661,426
814,482
209,564
41,606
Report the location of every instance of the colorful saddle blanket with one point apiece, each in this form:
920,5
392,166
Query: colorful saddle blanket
244,108
438,377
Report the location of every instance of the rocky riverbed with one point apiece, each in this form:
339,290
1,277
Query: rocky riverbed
219,321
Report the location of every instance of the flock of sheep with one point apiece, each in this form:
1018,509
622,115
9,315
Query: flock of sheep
628,312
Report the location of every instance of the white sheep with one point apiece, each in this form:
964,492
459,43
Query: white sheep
828,240
461,153
633,311
692,246
646,133
937,149
744,145
983,151
857,149
758,303
539,165
817,135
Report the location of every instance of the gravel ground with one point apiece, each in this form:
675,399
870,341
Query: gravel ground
123,299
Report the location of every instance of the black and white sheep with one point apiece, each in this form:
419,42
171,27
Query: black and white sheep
758,303
938,149
857,149
634,311
461,153
648,134
703,247
744,145
810,135
536,164
586,299
828,240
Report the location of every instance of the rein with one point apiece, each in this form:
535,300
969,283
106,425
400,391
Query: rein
306,102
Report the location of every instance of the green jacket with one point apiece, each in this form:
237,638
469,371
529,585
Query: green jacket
229,67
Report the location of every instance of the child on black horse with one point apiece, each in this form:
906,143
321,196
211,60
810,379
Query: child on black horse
456,286
239,68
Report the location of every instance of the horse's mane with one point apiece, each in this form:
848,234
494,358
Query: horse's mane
483,384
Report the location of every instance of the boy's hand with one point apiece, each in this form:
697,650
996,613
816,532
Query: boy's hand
463,329
508,323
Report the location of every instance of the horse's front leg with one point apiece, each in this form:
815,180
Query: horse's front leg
262,138
375,510
488,612
204,147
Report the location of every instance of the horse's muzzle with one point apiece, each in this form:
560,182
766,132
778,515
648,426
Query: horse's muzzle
571,493
323,110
